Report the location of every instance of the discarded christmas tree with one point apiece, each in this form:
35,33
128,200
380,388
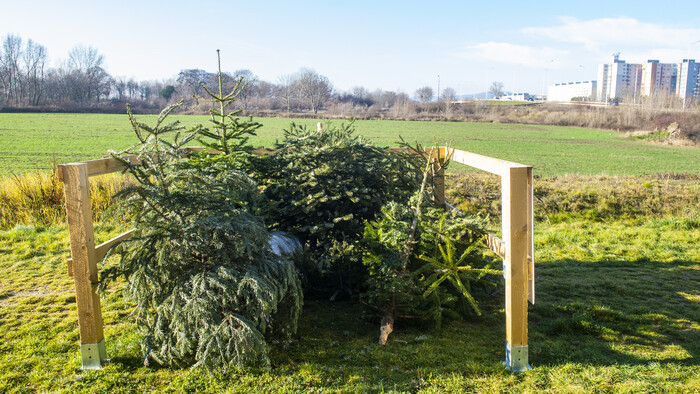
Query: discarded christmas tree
423,262
208,290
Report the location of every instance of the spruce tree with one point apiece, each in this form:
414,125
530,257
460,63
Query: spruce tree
207,289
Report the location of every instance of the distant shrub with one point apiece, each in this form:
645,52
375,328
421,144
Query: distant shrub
592,197
661,121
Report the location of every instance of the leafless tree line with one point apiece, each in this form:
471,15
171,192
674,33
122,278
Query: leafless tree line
81,82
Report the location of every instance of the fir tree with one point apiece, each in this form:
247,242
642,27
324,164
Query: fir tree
423,262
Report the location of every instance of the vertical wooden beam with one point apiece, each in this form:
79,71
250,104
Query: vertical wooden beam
82,246
438,176
439,183
530,236
515,234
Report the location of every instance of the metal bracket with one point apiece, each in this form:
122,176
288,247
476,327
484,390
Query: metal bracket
94,356
516,358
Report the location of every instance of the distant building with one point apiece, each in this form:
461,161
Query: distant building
618,79
624,80
585,90
687,85
518,97
658,78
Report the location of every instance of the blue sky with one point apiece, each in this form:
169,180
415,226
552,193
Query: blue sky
393,45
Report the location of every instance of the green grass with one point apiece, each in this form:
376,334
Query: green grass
618,309
617,273
34,140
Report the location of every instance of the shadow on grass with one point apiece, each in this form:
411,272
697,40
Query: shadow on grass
616,312
598,314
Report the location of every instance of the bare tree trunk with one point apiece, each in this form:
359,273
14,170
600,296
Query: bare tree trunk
386,327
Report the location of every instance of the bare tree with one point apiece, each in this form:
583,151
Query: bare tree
263,94
286,89
85,58
425,94
132,88
188,86
89,79
448,94
496,89
360,92
35,58
10,76
313,87
119,87
249,80
385,99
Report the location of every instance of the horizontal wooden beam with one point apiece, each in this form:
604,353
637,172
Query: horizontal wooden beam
101,249
485,163
100,166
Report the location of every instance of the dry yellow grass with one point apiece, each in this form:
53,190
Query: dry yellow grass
37,198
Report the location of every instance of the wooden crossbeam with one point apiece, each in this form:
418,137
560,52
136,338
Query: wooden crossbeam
496,245
101,249
99,166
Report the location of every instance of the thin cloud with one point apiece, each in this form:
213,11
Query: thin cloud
503,52
596,34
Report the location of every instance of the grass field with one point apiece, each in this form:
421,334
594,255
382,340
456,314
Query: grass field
618,309
617,275
32,141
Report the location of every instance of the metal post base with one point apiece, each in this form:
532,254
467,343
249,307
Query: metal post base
516,358
94,356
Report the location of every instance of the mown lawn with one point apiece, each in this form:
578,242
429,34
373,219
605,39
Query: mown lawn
32,141
618,309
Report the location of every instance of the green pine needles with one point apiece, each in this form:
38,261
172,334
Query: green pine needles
323,186
208,290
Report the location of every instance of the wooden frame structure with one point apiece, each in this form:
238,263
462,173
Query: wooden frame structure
516,248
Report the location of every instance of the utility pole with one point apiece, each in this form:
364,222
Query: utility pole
438,91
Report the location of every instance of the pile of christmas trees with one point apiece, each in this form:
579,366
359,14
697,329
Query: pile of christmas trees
207,288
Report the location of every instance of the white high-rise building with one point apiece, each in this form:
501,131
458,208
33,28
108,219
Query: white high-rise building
687,85
618,79
658,78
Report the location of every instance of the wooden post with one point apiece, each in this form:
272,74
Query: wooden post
515,224
82,246
438,173
439,183
531,237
